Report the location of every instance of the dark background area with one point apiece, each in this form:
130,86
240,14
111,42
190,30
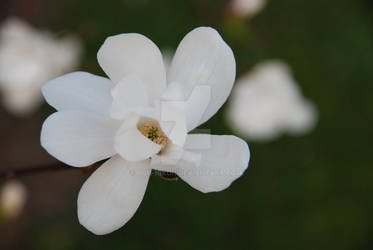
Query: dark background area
308,192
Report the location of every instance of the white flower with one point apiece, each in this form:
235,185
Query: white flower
247,8
28,58
267,102
167,54
12,199
140,118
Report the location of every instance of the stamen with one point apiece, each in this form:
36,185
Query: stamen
152,131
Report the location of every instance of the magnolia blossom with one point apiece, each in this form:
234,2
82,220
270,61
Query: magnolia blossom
247,8
28,58
140,118
167,54
12,199
267,102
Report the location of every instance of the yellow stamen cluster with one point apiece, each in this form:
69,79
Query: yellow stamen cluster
153,132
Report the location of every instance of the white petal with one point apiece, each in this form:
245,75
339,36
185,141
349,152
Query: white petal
167,54
132,145
112,194
133,53
172,119
196,105
79,91
203,58
166,160
129,95
78,138
215,167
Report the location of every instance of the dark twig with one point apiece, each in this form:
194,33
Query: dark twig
12,173
18,172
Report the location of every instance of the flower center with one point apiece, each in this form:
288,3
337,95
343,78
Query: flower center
151,129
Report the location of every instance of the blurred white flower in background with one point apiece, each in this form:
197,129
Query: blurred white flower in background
13,198
247,8
267,102
29,58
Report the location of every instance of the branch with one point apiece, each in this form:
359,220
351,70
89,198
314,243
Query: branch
12,173
58,166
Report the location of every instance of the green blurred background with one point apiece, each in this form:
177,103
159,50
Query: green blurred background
308,192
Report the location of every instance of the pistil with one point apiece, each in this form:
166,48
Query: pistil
153,132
